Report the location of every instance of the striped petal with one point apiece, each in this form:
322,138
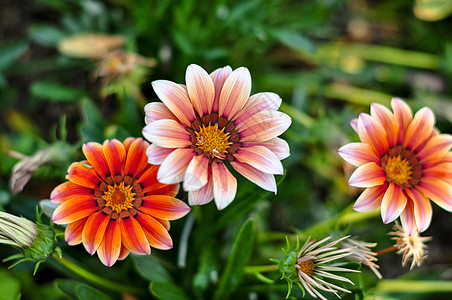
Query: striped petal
370,199
173,168
110,247
157,111
200,89
123,253
354,124
403,115
94,230
156,234
277,145
176,98
115,154
387,120
94,152
164,207
73,232
263,126
260,158
263,180
219,76
196,173
438,191
156,154
235,92
202,196
393,203
435,147
224,185
84,175
358,154
136,161
133,237
407,218
257,103
441,171
367,175
167,134
371,132
150,184
68,190
75,209
422,209
419,129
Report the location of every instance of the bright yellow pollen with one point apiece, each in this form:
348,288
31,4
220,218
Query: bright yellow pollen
398,170
119,197
307,267
212,140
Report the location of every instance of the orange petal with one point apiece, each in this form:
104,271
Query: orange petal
156,234
358,154
164,207
94,152
165,223
407,218
422,209
393,203
438,191
157,111
263,126
115,154
370,199
176,98
371,132
387,120
150,184
73,232
123,253
84,175
173,168
200,88
403,115
257,103
68,190
110,247
420,128
128,142
263,180
156,154
219,76
235,92
75,209
167,134
136,161
196,173
224,185
133,237
94,230
441,171
260,158
435,148
367,175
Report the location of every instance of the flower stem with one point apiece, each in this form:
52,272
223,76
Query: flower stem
93,278
259,269
389,249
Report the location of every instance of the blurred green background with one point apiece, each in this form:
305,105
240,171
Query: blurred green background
77,71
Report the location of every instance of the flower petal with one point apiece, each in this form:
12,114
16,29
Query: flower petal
260,158
167,134
403,115
150,185
200,89
358,154
419,129
94,230
123,253
133,237
156,234
73,232
84,175
196,174
387,120
277,145
263,126
115,155
367,175
257,103
164,207
136,161
224,185
235,92
438,191
354,124
370,199
75,209
157,111
441,171
94,152
173,168
393,203
176,98
68,190
422,209
156,154
407,218
110,246
435,147
263,180
202,196
371,132
219,76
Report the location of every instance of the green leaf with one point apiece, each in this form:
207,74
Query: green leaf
241,251
167,291
293,40
10,53
55,92
46,35
93,124
85,292
150,268
9,286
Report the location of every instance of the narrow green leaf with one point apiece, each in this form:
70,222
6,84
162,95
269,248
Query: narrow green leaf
85,292
241,251
45,35
93,123
9,53
293,40
150,268
167,291
55,92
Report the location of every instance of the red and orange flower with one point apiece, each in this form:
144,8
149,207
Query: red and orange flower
114,204
209,123
403,161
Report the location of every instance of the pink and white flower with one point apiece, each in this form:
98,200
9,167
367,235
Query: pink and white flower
212,121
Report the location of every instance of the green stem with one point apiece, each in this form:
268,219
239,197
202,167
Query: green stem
413,286
93,278
260,269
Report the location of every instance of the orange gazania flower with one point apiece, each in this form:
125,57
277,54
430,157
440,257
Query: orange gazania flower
402,162
210,122
114,204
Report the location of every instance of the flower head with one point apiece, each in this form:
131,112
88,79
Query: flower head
114,204
403,161
311,266
361,253
210,122
411,247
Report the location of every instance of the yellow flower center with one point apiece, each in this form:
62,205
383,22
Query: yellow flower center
307,267
212,140
119,197
398,170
